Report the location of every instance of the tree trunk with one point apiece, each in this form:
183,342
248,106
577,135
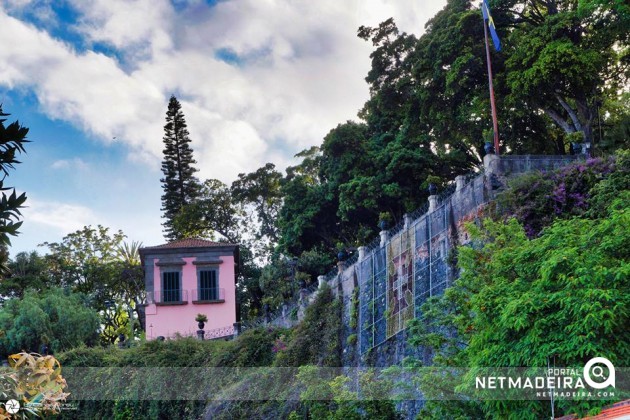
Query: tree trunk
580,120
587,115
140,311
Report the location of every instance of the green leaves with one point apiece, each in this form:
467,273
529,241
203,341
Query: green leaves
565,57
108,271
12,141
562,296
58,319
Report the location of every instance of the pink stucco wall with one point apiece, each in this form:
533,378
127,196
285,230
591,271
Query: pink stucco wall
169,320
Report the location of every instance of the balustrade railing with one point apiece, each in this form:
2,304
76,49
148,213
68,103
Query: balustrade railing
208,294
173,297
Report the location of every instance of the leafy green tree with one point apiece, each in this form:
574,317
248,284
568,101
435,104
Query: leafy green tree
277,282
214,211
100,265
403,157
28,270
130,285
520,302
346,156
564,57
451,106
390,78
261,191
78,261
12,141
56,318
613,124
179,183
305,217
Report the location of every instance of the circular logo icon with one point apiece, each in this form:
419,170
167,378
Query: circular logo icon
12,406
591,371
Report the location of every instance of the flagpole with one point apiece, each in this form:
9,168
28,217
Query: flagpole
492,104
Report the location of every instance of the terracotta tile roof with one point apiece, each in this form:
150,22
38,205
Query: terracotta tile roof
189,243
620,410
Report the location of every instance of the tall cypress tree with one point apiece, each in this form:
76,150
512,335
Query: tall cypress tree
180,185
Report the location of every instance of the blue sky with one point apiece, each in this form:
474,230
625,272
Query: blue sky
259,80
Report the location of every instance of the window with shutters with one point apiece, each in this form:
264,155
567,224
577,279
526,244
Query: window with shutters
171,287
208,284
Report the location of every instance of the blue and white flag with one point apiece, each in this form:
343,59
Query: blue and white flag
485,11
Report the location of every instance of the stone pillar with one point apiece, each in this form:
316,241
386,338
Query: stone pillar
460,180
491,164
433,203
384,235
200,334
321,281
362,252
407,219
341,266
237,329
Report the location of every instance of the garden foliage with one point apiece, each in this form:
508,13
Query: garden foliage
55,318
316,340
560,298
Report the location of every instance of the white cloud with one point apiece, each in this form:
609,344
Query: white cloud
49,221
300,74
63,217
74,164
139,24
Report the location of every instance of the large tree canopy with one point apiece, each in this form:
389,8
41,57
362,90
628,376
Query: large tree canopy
566,58
563,69
214,211
260,190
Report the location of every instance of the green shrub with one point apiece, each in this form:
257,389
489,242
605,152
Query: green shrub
615,186
536,199
354,309
253,348
57,318
316,340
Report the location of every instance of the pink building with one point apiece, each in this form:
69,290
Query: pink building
189,277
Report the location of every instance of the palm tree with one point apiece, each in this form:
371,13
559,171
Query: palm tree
130,253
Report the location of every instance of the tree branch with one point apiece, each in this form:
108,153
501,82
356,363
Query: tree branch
535,11
559,120
574,117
